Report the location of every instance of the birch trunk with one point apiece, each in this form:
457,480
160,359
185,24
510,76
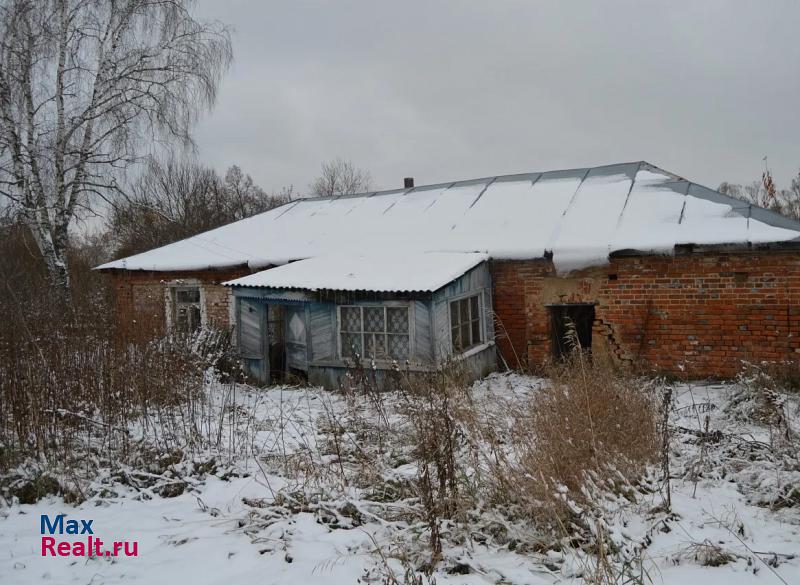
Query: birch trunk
86,88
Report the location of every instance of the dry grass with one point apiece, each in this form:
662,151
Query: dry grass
592,417
761,396
69,378
591,431
432,410
434,407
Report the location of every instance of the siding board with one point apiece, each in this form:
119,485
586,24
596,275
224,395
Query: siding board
322,323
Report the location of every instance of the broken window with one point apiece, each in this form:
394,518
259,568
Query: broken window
374,332
187,314
465,323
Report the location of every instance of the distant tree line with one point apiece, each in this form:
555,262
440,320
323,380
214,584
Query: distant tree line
176,199
766,194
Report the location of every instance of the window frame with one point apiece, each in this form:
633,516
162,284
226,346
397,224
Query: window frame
388,360
174,290
481,319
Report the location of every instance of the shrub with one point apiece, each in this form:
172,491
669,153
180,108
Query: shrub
591,417
590,431
433,406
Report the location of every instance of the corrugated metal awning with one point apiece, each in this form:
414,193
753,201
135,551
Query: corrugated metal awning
412,272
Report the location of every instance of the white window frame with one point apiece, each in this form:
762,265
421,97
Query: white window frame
481,321
172,301
386,305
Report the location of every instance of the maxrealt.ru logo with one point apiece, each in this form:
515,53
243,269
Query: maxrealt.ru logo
88,546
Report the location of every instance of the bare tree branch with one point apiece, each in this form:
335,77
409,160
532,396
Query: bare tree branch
340,177
175,199
86,88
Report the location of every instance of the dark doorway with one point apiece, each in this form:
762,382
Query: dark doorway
277,351
563,318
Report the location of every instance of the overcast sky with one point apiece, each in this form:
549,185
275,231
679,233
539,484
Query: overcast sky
455,90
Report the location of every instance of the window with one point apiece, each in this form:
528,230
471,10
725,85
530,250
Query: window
186,301
374,332
465,323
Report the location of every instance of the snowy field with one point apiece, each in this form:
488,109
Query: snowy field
277,506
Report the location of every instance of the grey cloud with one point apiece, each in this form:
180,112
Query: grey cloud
453,90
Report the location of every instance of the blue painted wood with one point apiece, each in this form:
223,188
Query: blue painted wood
322,331
431,346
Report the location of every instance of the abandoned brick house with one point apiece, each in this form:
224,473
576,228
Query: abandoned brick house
650,268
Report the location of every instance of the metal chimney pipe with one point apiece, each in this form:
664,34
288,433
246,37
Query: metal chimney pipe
408,182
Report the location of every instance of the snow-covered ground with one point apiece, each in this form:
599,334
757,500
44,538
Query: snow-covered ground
277,510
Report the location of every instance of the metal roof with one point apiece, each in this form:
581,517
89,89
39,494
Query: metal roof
413,272
580,215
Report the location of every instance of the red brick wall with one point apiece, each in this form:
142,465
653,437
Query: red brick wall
140,298
698,315
515,286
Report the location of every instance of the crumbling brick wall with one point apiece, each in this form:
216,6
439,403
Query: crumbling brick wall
696,314
141,298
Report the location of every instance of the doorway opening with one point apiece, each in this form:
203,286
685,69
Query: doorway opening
569,321
276,354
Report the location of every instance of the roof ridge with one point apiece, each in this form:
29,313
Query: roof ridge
447,184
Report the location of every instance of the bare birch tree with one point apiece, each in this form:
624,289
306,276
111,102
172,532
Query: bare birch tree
86,88
341,177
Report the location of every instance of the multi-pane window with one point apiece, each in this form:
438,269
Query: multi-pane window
465,323
374,332
187,309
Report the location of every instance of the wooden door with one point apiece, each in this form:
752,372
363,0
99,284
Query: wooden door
295,333
253,346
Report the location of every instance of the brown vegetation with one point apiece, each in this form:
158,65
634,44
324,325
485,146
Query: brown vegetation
68,383
592,430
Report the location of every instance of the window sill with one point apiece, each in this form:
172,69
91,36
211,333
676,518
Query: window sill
379,365
473,350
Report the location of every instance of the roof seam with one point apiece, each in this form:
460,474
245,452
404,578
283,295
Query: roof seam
683,207
486,186
280,215
630,190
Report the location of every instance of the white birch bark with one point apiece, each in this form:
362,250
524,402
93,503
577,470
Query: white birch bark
86,88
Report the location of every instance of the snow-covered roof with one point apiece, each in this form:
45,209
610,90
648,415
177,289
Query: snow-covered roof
413,272
580,215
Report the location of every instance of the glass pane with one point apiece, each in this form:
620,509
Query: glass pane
194,317
465,339
373,319
476,331
188,295
398,347
375,345
464,310
351,345
351,319
455,338
473,303
182,319
398,319
453,313
380,346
